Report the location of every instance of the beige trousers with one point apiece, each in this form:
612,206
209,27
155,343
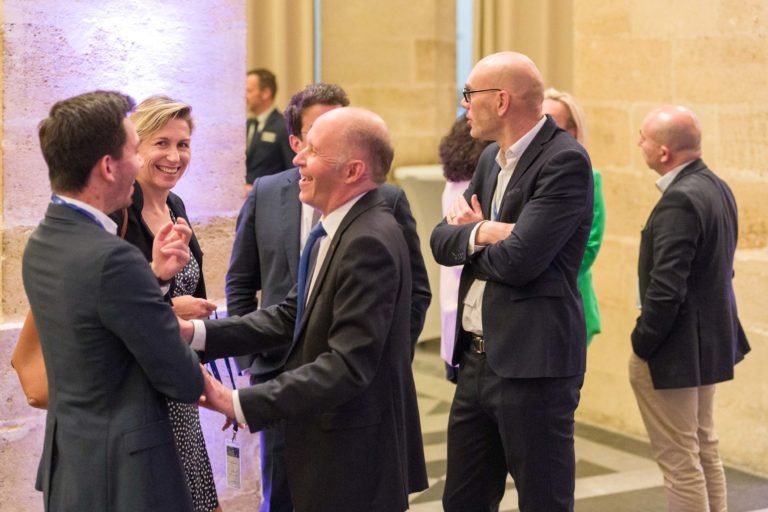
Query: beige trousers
682,433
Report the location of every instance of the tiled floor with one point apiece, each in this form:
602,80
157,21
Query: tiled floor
614,473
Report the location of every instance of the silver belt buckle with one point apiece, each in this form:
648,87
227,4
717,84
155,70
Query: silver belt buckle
478,344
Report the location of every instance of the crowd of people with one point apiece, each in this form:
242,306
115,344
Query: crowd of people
327,293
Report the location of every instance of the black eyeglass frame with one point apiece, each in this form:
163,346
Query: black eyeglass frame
467,93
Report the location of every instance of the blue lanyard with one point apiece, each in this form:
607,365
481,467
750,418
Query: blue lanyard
58,200
215,372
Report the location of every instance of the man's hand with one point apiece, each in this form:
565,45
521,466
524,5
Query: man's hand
216,396
186,330
491,232
189,307
461,212
170,249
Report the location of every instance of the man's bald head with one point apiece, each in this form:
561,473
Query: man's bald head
676,127
503,97
517,74
670,136
363,135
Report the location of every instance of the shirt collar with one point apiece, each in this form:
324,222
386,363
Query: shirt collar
665,181
516,150
262,118
107,223
332,221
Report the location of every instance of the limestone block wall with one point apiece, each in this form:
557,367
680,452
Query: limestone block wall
396,58
192,50
711,56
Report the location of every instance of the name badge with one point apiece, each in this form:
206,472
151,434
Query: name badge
234,467
268,136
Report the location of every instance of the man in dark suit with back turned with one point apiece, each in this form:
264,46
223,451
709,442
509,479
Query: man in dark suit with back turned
267,148
271,231
688,336
347,396
520,231
110,341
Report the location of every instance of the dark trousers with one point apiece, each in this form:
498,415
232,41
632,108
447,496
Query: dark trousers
521,426
274,480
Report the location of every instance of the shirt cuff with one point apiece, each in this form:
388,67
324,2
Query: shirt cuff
198,337
239,416
471,248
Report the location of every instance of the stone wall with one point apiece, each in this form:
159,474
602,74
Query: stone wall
193,51
711,56
396,58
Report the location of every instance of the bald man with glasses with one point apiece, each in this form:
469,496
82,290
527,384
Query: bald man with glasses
520,231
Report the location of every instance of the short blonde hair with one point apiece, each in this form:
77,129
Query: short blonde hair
152,114
576,118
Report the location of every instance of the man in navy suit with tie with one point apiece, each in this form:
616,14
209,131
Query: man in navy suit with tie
346,397
271,231
520,231
267,148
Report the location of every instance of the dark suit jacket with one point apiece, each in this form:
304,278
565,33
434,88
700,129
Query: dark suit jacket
269,152
113,353
139,234
352,434
265,256
688,328
533,321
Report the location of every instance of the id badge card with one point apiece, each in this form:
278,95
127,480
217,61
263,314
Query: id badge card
234,466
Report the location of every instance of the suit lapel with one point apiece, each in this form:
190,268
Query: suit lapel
250,147
486,194
291,211
532,152
365,203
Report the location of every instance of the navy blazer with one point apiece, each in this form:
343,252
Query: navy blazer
269,151
113,354
347,396
688,329
265,256
533,320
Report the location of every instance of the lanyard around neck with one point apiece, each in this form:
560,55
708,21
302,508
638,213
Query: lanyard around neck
55,199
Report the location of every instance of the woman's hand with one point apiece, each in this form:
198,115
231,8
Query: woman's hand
189,307
170,249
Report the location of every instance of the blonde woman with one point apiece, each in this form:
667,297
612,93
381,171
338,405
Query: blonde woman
569,116
165,130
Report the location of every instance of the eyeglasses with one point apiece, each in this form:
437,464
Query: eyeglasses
467,93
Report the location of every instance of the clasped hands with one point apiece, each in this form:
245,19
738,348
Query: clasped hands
489,232
217,397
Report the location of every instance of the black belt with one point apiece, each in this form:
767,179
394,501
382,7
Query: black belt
477,343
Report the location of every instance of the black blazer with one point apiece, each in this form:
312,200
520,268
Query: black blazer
269,152
688,328
533,320
139,234
265,256
352,434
